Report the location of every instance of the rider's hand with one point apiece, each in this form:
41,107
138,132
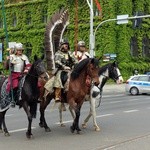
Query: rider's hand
25,71
67,68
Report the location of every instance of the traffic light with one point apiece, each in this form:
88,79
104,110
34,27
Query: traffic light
137,23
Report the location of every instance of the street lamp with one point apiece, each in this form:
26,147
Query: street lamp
91,42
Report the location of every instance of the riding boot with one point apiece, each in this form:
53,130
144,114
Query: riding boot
13,103
57,95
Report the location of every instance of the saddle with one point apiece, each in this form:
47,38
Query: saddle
5,97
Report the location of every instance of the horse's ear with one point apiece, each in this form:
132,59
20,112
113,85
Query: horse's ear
42,57
35,58
114,63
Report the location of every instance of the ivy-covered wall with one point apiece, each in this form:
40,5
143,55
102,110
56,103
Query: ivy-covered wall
110,37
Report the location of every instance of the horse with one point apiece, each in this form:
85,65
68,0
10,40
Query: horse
29,94
83,76
108,71
112,71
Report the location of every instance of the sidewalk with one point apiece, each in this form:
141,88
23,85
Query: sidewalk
114,88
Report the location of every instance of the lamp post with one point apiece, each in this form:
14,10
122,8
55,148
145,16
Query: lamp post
91,41
4,21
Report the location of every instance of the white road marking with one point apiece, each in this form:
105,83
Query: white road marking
9,115
133,100
65,122
115,102
105,115
130,111
18,130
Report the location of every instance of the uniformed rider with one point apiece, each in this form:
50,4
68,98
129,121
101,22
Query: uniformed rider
64,61
20,65
81,52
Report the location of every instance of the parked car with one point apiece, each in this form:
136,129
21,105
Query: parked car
138,84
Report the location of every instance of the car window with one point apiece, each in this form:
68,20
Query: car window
135,78
143,78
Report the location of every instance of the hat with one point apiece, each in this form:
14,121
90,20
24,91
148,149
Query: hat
19,46
81,43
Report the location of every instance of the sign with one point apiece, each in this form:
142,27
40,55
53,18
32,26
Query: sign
122,19
1,52
109,56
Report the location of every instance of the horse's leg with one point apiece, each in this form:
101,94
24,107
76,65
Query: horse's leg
72,112
6,133
92,113
29,116
84,124
75,125
60,115
43,106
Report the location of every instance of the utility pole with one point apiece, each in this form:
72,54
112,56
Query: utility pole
4,21
91,41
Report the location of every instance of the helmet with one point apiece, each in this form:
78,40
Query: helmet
64,41
19,46
81,43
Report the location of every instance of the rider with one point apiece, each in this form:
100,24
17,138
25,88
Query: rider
64,61
19,64
81,51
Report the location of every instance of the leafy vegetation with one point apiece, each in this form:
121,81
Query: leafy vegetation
110,37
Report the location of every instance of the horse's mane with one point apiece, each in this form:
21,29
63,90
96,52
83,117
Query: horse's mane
103,68
79,67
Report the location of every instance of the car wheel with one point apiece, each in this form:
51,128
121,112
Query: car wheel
134,91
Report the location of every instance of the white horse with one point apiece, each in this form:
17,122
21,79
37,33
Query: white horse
110,70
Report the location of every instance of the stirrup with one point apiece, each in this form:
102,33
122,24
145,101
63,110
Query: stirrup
13,104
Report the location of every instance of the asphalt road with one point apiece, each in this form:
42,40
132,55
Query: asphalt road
124,122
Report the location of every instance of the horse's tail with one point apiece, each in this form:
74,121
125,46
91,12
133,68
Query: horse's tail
33,109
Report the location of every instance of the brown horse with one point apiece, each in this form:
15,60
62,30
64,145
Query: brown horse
83,76
81,80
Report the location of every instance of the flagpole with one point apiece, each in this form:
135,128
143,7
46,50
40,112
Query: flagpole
7,41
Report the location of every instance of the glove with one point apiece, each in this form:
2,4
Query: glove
67,68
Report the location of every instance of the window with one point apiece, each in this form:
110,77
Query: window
14,21
146,47
28,18
44,16
143,78
134,47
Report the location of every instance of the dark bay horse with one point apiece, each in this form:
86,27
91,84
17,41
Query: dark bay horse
108,71
84,75
29,94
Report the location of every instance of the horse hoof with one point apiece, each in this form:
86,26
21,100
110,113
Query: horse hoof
6,134
47,130
62,125
72,129
29,136
41,125
84,126
97,129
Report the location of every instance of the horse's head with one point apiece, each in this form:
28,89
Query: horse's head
114,73
39,68
93,70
